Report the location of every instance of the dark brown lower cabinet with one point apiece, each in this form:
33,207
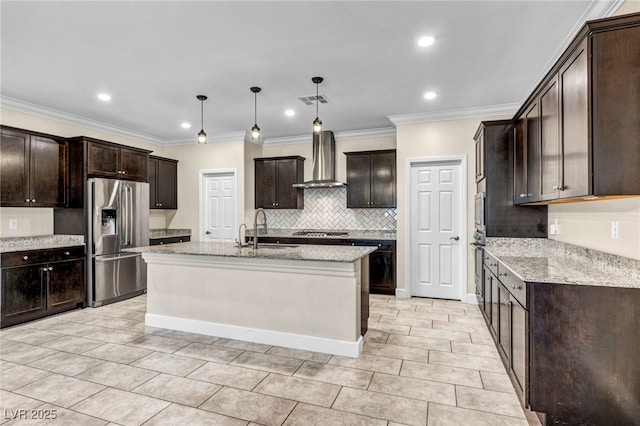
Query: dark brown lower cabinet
38,283
585,342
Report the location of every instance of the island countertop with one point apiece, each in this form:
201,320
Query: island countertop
264,251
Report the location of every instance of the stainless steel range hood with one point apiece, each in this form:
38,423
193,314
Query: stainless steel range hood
324,159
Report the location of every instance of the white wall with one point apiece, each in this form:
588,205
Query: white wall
191,159
445,138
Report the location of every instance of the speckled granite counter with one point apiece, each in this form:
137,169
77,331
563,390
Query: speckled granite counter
548,261
168,233
13,244
353,234
265,251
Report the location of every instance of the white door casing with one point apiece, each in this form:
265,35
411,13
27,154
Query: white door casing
218,205
437,227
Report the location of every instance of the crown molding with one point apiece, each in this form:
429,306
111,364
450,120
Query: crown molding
454,114
342,136
75,120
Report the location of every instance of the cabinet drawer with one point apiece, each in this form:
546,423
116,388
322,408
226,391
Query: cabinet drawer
491,262
515,286
30,257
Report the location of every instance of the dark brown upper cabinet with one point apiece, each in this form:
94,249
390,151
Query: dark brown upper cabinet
274,179
90,157
371,179
105,159
580,126
34,172
163,183
502,217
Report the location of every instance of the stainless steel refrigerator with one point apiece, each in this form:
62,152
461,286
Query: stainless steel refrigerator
117,218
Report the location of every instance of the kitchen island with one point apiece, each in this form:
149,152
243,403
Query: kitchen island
304,297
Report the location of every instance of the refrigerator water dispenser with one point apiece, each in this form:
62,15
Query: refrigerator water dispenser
109,221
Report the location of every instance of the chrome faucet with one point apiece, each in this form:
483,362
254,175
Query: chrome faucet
255,226
240,240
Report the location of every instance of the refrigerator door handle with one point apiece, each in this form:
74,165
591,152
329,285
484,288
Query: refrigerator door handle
130,213
123,213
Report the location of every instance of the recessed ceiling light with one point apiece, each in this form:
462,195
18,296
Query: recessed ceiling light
185,125
104,97
430,95
289,113
426,41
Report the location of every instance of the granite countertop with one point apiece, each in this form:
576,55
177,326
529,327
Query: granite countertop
12,244
265,251
168,233
354,234
549,261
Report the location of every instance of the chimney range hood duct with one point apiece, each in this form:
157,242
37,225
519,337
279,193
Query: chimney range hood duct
324,156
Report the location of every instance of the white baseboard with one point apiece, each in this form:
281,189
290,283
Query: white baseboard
472,299
269,337
402,293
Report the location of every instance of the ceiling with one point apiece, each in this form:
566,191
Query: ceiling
154,57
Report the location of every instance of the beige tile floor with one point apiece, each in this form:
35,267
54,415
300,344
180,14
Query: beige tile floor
425,362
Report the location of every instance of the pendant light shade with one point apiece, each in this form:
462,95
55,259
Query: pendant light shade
317,123
202,136
255,130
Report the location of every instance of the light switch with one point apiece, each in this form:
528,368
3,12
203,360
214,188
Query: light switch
13,223
614,229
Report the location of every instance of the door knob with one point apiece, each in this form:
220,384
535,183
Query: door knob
208,232
456,238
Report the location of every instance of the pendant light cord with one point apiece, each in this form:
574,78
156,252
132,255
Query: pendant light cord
255,108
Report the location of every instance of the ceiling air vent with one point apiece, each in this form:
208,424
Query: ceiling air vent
311,100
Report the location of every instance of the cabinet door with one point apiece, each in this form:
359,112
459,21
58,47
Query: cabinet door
495,314
265,184
520,164
532,134
153,183
358,180
575,125
286,176
480,157
167,184
103,160
65,283
519,336
14,169
383,180
504,326
382,272
486,307
133,164
22,292
549,142
48,172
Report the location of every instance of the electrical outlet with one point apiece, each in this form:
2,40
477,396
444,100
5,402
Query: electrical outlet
614,229
553,227
13,223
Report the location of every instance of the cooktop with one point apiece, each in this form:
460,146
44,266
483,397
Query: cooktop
320,233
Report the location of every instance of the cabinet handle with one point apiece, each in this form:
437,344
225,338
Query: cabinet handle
33,200
555,187
161,242
159,204
516,287
44,268
27,200
179,241
50,268
486,258
502,274
493,264
124,173
67,253
25,257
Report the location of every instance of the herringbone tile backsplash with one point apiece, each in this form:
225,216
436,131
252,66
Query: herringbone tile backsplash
326,208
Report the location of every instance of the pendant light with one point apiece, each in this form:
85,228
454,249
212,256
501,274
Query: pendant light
317,123
202,136
255,130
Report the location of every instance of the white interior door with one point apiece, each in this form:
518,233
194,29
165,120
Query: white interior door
435,247
219,212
